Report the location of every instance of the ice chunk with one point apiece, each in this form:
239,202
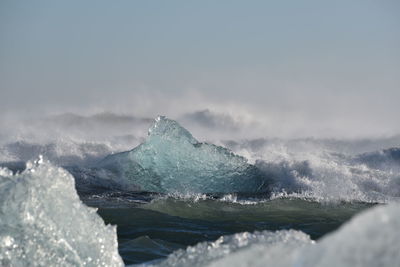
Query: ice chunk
368,240
171,160
43,222
206,253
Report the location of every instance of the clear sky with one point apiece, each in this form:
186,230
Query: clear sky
301,61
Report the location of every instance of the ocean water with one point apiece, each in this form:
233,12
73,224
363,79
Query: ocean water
176,201
153,230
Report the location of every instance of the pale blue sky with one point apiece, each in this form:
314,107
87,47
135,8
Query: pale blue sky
306,56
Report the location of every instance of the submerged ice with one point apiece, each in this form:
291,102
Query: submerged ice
171,160
43,222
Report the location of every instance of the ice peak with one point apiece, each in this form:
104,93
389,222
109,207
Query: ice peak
171,160
170,129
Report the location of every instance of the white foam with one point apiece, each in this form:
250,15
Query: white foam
321,175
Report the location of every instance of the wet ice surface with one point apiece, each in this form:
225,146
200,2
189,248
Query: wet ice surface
171,160
44,223
206,253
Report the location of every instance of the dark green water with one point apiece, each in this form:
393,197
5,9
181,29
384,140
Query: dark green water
149,230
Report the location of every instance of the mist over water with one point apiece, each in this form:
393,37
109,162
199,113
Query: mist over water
220,115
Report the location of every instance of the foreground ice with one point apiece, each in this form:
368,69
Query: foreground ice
43,222
171,160
206,253
370,239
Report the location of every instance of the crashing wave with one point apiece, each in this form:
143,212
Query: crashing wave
370,239
171,160
323,176
386,159
329,179
44,223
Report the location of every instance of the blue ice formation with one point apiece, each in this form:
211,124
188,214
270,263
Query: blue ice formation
171,160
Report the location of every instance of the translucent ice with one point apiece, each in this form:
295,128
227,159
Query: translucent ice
171,160
370,239
206,253
43,222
